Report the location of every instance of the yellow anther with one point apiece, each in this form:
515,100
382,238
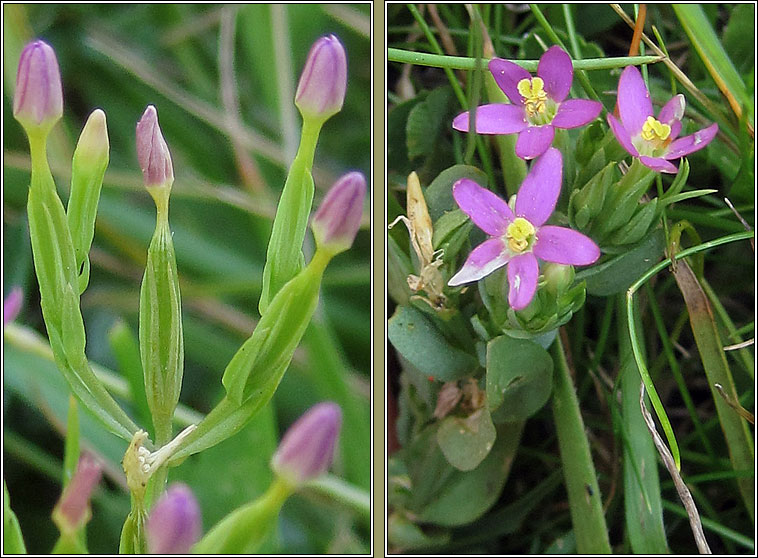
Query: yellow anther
519,234
653,130
533,92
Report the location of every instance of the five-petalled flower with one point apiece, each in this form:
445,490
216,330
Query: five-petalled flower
539,104
653,140
519,236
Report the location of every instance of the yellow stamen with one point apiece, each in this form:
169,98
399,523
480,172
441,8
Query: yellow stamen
653,130
535,97
519,234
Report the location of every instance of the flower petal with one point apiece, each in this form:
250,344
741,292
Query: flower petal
497,118
486,209
673,110
633,100
557,71
534,141
507,75
622,135
693,142
565,246
676,127
576,112
483,260
523,272
659,164
539,192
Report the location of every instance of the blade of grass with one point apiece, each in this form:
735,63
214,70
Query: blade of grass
717,371
642,496
587,515
716,60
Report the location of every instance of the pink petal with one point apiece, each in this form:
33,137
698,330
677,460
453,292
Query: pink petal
693,142
659,164
565,246
523,272
576,112
676,127
497,118
534,141
557,71
507,75
622,135
487,210
483,260
539,192
633,100
673,110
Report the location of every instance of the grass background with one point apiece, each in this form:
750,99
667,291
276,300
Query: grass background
222,79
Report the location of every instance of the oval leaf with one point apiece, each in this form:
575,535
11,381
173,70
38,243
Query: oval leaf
519,378
466,441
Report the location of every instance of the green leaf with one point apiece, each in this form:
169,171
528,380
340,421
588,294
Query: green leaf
420,342
618,273
439,194
425,121
398,269
466,441
160,330
13,540
519,378
445,496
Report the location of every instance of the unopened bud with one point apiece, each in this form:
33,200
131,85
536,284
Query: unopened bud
558,278
72,510
12,304
321,90
307,448
152,151
93,146
337,220
174,525
38,101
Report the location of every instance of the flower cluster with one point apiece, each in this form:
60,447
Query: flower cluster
517,233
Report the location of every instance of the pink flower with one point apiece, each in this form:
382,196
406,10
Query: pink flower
539,104
73,510
174,525
152,152
338,218
321,90
12,304
39,95
654,141
307,448
519,237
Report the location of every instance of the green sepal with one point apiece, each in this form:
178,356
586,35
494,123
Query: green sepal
268,351
246,529
70,543
638,225
624,199
132,539
13,540
54,263
160,328
86,182
284,255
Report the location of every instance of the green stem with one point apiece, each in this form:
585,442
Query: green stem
467,63
585,503
343,492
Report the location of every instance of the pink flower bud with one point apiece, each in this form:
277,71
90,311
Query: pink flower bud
72,510
337,220
152,151
12,304
174,524
321,90
307,448
38,101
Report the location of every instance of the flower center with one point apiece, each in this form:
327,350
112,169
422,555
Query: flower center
652,130
535,97
519,234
